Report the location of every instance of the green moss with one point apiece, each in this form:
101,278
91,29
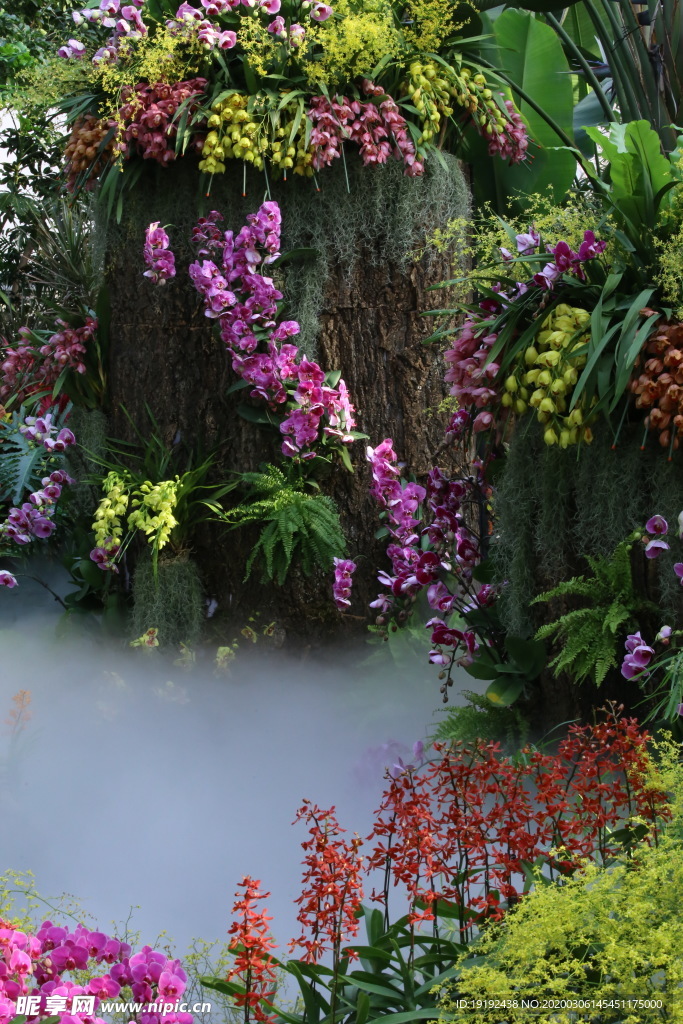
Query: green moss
172,603
377,214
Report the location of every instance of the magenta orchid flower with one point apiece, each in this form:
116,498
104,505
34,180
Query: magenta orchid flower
657,525
655,547
320,12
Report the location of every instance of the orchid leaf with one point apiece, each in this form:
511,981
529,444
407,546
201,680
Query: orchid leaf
504,692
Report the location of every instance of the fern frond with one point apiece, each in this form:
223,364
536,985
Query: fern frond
22,462
589,637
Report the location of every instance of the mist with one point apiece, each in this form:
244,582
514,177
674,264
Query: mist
138,784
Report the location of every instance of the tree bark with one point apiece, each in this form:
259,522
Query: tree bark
165,356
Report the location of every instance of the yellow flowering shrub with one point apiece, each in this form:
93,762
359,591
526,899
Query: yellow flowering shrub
605,938
159,58
431,22
355,41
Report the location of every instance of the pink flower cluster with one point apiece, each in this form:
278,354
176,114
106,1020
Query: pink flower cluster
159,259
148,112
190,21
566,261
29,366
638,656
35,518
341,590
380,131
512,142
244,302
126,23
152,978
41,429
470,372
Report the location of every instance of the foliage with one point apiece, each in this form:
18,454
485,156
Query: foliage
628,87
608,936
551,506
589,636
298,526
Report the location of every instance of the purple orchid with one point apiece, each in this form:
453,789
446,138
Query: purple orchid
158,258
655,547
343,570
657,525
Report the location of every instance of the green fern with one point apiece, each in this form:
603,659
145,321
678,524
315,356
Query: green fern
590,637
22,463
297,526
479,719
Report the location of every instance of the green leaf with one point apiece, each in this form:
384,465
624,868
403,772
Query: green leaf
531,54
528,655
362,1008
389,992
312,999
252,415
639,172
302,255
484,572
346,458
480,669
504,692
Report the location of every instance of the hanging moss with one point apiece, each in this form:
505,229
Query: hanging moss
512,549
555,509
90,429
173,603
391,213
555,506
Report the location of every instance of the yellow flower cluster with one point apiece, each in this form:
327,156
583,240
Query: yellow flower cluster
546,374
107,525
159,499
237,133
434,89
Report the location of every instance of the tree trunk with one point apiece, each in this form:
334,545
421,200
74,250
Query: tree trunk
369,305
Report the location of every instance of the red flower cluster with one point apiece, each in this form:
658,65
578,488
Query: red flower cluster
254,965
148,114
463,829
333,889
